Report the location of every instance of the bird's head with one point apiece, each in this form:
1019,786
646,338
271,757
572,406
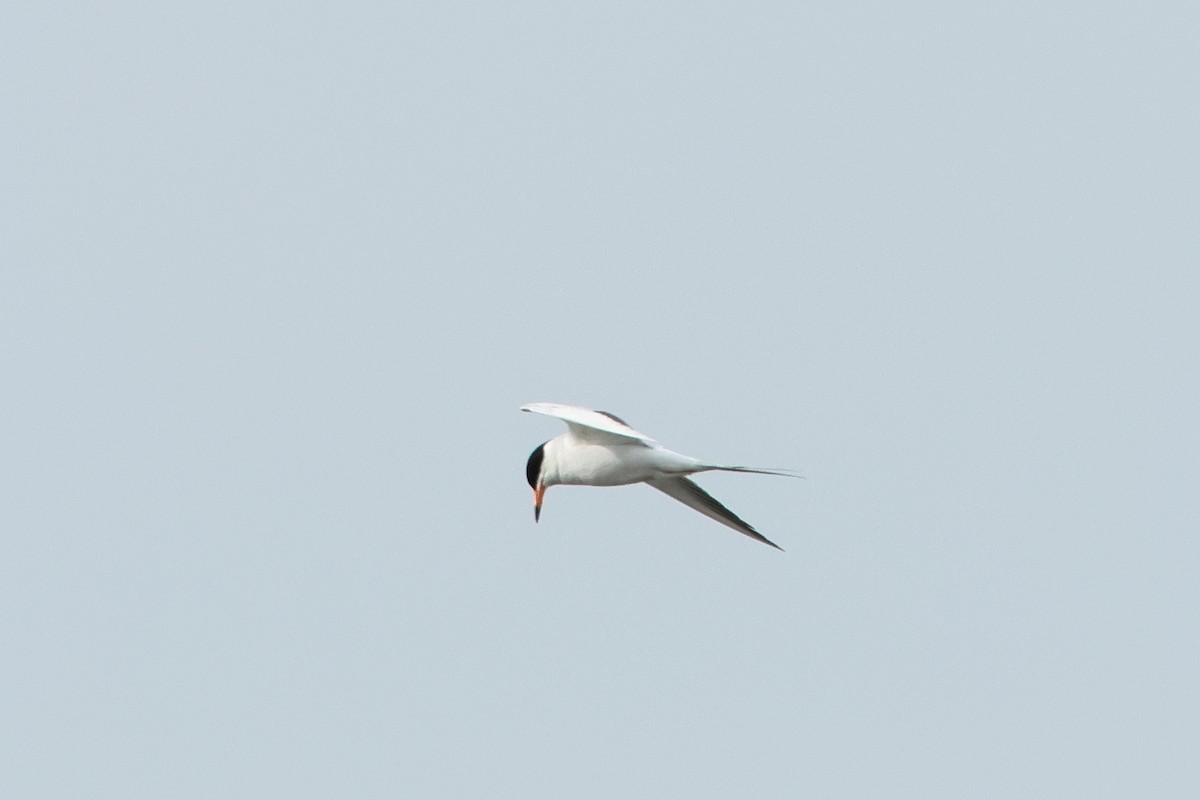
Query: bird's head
537,481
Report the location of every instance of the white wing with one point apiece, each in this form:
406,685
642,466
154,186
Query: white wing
692,496
588,424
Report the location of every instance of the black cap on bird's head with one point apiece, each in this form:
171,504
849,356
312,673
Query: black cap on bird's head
533,470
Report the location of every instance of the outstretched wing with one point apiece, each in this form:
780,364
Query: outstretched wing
691,495
597,426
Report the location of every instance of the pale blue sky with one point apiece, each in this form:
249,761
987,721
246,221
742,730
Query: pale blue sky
277,278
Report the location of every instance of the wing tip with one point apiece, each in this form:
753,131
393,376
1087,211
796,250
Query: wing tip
753,534
691,494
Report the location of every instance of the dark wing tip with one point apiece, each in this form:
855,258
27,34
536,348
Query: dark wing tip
709,506
753,534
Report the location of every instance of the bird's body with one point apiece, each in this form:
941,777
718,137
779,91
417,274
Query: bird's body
599,449
575,461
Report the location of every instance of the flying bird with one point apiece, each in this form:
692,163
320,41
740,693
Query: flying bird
601,449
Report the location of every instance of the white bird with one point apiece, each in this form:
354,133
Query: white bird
600,449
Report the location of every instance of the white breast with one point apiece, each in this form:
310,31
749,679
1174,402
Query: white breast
588,464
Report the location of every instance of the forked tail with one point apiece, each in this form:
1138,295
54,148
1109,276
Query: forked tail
786,473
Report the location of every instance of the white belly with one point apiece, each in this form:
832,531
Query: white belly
617,465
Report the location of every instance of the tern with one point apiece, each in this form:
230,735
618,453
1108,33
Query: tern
601,449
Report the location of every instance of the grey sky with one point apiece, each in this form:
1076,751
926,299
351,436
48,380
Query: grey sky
277,279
